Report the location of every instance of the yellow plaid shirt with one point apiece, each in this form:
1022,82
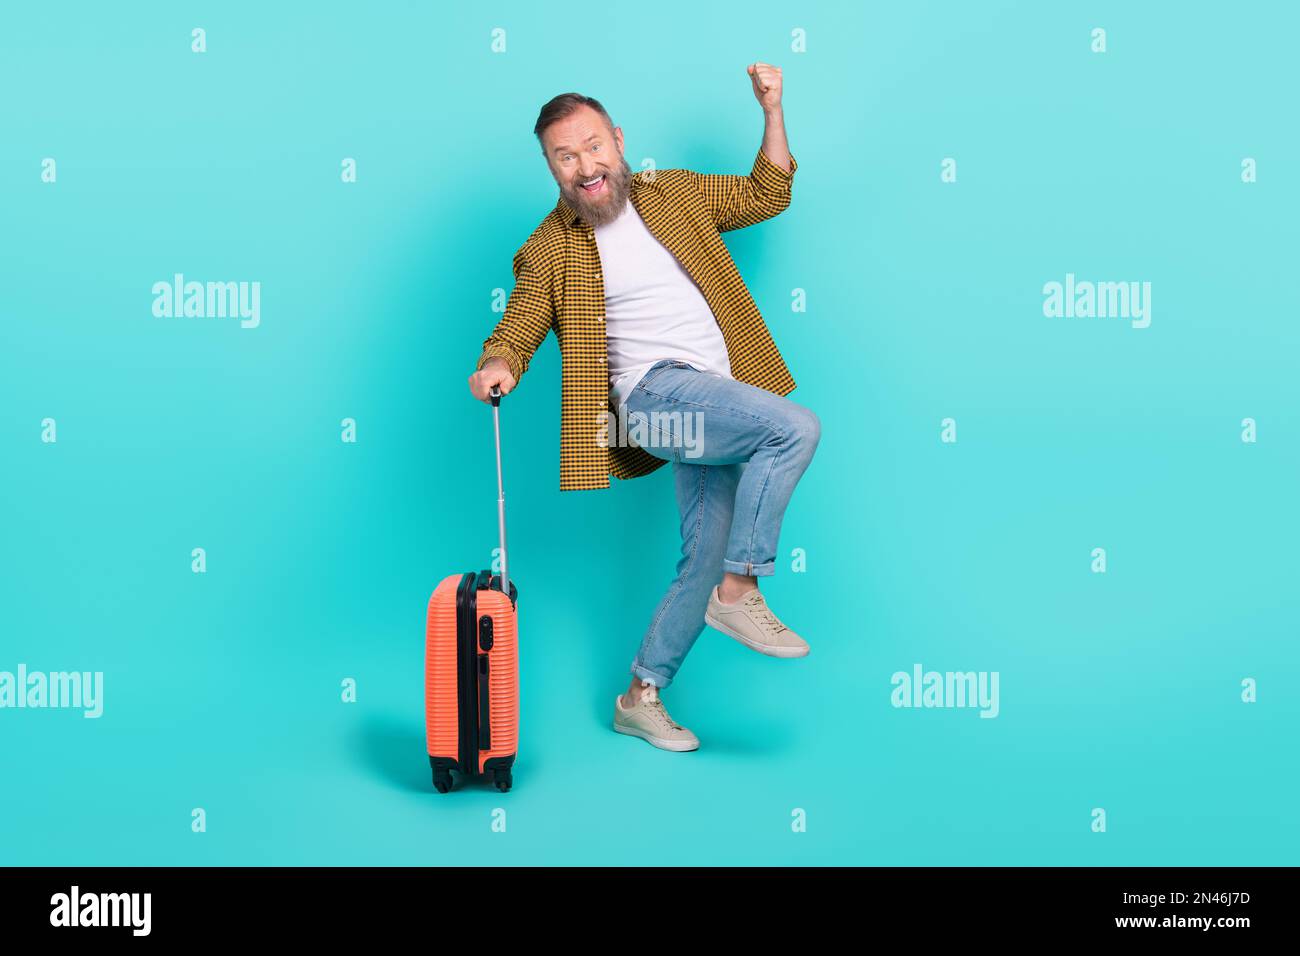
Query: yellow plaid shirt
559,286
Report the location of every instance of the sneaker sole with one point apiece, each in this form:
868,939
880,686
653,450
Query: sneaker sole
677,746
771,650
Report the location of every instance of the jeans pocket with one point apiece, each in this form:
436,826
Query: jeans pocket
653,371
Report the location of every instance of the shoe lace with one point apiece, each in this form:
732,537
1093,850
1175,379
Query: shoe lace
767,617
651,699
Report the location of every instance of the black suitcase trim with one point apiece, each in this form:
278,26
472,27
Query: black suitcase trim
467,685
468,701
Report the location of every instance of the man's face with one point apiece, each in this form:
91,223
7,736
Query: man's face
586,159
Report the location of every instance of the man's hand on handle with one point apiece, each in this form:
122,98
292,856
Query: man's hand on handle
496,372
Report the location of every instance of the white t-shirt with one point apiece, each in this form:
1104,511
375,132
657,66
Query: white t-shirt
653,308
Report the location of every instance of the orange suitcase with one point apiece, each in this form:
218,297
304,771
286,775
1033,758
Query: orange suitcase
471,667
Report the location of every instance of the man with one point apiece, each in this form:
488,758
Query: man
654,321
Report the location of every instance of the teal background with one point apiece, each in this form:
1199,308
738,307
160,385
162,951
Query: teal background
1119,691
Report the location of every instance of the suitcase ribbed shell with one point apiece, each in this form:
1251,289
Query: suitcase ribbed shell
440,713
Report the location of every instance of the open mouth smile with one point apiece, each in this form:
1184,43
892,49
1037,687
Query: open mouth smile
593,186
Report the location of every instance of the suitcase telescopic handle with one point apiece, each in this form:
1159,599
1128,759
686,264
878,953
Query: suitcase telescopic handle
495,395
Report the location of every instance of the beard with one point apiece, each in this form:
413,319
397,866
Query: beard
607,207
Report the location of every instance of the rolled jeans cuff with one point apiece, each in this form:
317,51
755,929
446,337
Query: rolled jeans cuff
749,570
659,680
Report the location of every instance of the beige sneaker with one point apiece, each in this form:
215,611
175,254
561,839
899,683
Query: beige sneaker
649,720
751,622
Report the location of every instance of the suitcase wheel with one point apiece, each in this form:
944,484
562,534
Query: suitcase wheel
442,780
503,780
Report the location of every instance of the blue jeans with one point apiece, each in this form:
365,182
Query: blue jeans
737,452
